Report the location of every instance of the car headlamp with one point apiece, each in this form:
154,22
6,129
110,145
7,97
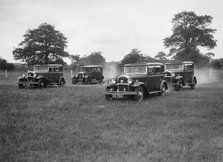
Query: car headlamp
112,81
130,80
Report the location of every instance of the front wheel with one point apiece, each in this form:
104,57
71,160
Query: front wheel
139,94
179,85
21,86
42,83
87,80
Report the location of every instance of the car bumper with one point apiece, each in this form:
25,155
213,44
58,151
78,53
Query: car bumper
28,83
120,94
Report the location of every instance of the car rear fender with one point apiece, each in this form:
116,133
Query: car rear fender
61,78
163,83
194,79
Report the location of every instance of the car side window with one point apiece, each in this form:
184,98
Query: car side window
159,69
151,70
188,67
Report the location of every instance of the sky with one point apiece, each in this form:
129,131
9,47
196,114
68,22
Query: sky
113,27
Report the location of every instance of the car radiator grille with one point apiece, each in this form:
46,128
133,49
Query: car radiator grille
122,80
123,87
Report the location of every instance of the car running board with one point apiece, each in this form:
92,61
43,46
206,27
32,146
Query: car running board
154,92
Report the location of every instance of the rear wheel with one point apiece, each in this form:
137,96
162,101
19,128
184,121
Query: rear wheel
62,82
163,90
139,93
194,82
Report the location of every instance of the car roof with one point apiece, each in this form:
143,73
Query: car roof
50,65
90,66
144,64
179,62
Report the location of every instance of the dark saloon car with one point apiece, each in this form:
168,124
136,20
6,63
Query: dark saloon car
43,75
180,73
89,74
137,80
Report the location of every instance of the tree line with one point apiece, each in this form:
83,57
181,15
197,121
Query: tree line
45,45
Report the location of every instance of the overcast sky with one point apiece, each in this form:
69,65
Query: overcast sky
113,27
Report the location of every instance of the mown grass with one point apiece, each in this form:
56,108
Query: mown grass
76,123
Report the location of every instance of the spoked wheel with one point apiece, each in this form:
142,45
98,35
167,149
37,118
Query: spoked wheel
108,97
21,86
163,90
192,86
42,83
87,80
139,93
179,85
62,82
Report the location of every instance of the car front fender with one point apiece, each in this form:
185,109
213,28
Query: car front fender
40,77
178,77
137,84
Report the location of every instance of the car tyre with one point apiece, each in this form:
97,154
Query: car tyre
87,80
62,82
163,90
108,97
42,83
21,86
139,94
179,85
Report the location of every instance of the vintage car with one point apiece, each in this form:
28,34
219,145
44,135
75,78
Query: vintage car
137,81
43,75
180,73
89,74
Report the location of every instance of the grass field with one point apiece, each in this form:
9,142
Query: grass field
75,123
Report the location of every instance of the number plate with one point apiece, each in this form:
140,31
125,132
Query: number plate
117,95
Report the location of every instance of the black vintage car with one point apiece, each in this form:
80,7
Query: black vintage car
137,80
43,75
89,74
180,73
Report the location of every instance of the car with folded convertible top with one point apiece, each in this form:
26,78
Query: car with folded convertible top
137,81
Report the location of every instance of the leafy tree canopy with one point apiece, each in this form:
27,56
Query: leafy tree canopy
135,56
189,32
4,65
161,56
96,58
41,46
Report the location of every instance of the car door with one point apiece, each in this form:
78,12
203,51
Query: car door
151,80
159,76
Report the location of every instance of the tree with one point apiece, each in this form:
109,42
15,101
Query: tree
189,32
4,65
41,46
161,56
135,56
96,58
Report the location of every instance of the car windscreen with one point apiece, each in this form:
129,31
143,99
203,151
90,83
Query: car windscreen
40,68
135,69
174,67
